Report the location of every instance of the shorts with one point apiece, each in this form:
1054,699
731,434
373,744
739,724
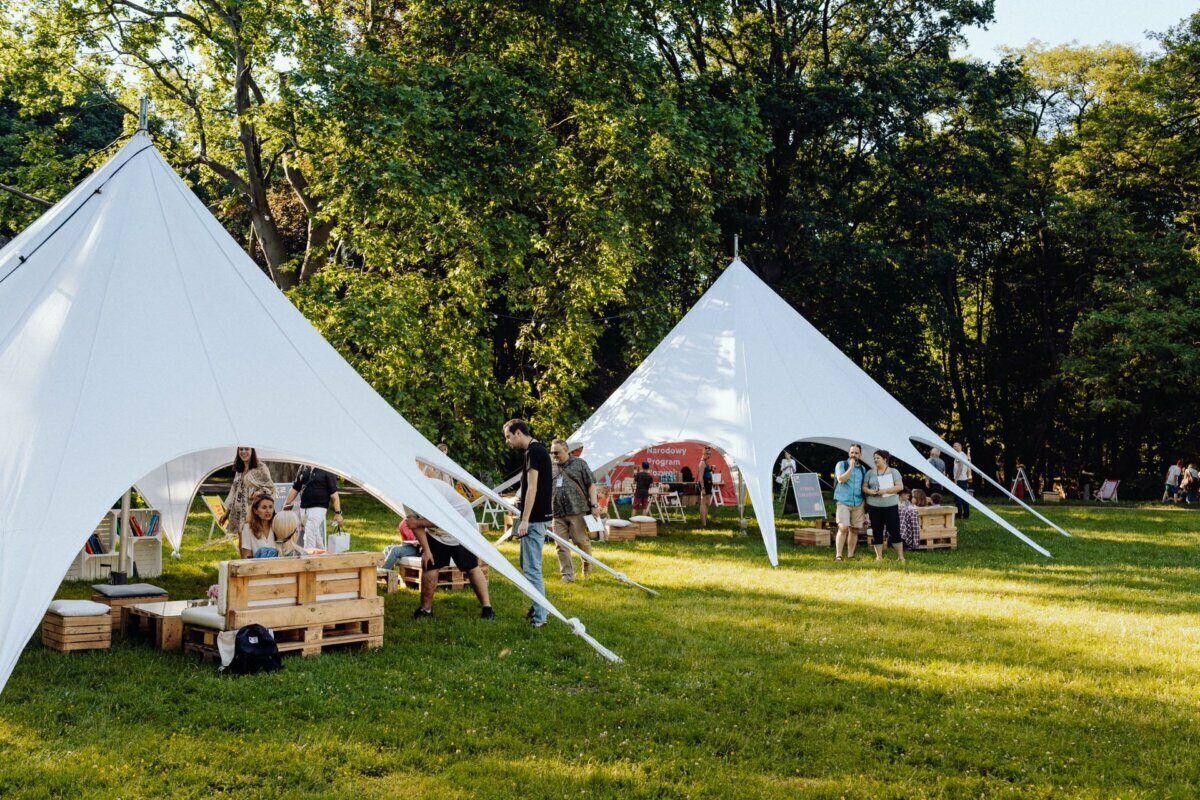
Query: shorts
640,502
464,559
849,516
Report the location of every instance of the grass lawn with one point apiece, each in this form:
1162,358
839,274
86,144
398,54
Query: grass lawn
984,672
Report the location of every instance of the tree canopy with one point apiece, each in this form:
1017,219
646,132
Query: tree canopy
497,208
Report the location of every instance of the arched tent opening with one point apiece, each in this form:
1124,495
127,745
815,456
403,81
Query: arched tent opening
75,436
744,371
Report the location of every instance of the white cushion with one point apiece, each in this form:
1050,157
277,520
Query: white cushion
204,616
411,561
78,608
619,523
642,518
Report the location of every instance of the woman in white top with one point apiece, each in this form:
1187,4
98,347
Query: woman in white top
256,531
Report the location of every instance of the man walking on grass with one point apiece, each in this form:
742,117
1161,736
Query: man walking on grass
534,504
574,496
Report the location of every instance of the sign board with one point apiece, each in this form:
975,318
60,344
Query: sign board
806,487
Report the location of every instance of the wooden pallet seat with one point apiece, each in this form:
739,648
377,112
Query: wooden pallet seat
937,529
644,525
411,569
116,596
70,625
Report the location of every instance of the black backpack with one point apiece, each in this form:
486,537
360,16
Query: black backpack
254,650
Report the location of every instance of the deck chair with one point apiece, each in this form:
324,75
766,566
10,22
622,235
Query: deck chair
216,507
1108,492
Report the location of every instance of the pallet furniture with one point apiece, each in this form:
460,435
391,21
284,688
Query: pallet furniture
147,550
818,535
160,622
310,603
644,526
70,625
619,530
411,569
127,594
937,529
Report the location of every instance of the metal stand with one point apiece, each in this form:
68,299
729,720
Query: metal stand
1019,479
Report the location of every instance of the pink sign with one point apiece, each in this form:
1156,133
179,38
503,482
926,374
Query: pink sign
668,460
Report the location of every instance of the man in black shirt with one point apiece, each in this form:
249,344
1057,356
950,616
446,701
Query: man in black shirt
317,490
534,502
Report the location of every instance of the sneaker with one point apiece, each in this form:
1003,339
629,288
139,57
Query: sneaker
421,613
487,613
529,613
537,623
568,578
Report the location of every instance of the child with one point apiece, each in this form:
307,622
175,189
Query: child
642,481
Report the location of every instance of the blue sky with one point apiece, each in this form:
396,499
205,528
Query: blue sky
1084,21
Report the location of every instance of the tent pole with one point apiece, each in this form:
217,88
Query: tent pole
735,247
1013,497
741,490
621,576
126,556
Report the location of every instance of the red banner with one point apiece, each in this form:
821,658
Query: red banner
668,460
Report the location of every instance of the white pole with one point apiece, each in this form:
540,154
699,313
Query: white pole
1012,496
144,114
126,556
735,247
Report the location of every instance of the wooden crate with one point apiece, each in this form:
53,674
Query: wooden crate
67,634
1051,497
448,577
644,528
622,534
937,529
812,537
147,550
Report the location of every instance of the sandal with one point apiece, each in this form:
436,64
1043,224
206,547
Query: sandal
837,558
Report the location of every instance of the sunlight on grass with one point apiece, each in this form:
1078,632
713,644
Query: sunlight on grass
986,671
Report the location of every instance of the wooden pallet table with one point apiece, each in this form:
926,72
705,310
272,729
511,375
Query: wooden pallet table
159,622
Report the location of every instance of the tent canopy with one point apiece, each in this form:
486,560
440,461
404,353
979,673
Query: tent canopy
744,372
135,331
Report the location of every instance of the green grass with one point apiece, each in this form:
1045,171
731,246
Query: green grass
983,672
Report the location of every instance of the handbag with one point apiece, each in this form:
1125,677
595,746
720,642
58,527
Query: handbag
339,540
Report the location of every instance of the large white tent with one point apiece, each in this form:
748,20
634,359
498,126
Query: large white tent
744,372
135,331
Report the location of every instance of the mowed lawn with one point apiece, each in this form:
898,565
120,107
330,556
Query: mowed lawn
985,672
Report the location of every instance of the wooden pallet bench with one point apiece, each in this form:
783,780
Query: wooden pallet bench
307,640
408,572
310,603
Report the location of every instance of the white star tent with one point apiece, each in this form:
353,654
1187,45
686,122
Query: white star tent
134,331
745,373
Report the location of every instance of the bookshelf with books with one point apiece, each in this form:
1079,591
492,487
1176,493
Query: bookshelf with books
98,557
